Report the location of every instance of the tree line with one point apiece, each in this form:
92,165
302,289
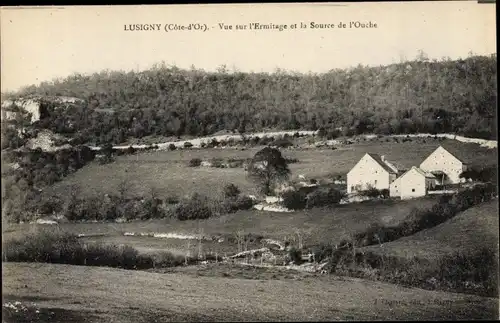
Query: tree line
422,95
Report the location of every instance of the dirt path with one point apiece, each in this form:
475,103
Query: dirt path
112,295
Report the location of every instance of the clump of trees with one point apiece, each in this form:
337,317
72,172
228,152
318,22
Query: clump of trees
268,168
421,95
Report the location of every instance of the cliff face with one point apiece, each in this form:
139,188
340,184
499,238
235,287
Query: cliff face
31,105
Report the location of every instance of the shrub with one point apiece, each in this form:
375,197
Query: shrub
231,190
196,207
333,134
255,140
322,252
172,199
474,273
213,143
195,162
187,144
282,143
130,150
375,193
218,163
55,246
321,132
324,197
294,200
244,202
233,204
291,160
295,255
172,147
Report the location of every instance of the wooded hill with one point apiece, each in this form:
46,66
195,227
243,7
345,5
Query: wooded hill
456,96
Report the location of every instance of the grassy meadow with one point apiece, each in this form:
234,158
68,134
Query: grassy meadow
314,226
94,294
168,171
467,232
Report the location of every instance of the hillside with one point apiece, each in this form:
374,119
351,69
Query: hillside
456,96
467,232
94,294
168,172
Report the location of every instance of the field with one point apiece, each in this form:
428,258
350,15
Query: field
314,226
469,231
167,171
61,293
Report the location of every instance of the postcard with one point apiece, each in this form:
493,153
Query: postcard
249,162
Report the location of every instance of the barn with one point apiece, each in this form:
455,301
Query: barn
445,165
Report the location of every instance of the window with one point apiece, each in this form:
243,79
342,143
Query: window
352,188
413,190
375,182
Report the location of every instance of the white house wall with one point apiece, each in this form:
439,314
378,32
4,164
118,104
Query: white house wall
442,160
413,184
395,188
367,172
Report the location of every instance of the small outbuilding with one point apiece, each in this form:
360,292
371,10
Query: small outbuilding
413,183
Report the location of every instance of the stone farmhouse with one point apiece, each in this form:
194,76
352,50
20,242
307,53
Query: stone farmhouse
372,171
441,167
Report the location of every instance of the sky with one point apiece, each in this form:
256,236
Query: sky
40,44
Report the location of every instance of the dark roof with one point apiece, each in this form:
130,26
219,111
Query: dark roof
379,160
470,153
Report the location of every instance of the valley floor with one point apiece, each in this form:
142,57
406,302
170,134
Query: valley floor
61,293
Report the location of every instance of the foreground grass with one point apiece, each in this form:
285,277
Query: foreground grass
113,295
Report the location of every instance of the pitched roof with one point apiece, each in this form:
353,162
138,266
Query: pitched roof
424,173
466,153
379,161
420,171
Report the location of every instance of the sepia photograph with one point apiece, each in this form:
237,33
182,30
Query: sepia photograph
249,162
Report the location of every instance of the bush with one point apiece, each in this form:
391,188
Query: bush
172,147
324,197
195,162
291,160
322,252
196,207
187,144
218,163
233,204
295,255
131,150
231,190
375,193
282,143
172,199
55,246
294,200
474,273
